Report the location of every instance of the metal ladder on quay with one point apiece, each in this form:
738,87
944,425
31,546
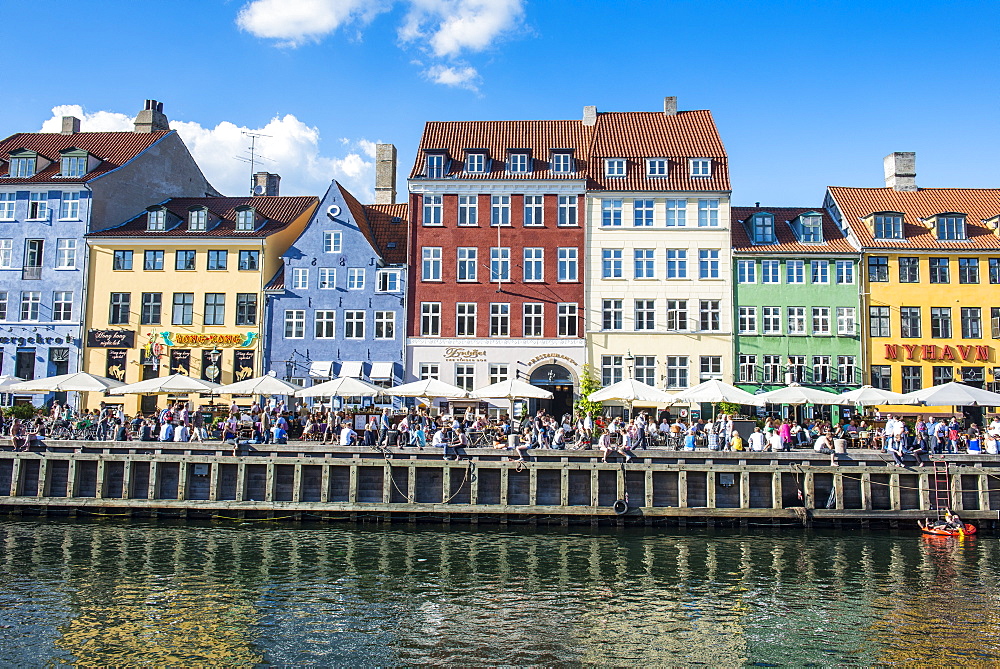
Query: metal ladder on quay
941,477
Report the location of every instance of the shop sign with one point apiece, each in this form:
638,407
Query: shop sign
36,339
933,352
457,353
111,338
236,340
549,356
242,365
115,366
180,361
210,366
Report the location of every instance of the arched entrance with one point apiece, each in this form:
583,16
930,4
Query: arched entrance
559,381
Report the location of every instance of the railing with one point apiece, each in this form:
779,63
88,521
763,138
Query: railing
31,272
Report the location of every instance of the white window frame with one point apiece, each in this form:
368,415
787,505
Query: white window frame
31,301
568,263
534,264
657,168
387,281
747,322
677,368
677,316
156,220
746,271
771,323
246,220
644,263
468,210
62,305
499,372
612,369
644,315
795,272
676,213
324,324
467,264
500,319
300,278
430,263
430,319
821,321
532,319
198,219
847,323
795,321
333,241
475,162
295,323
708,263
568,319
562,162
466,319
567,209
500,210
356,278
708,213
8,206
615,168
611,264
770,272
66,253
354,326
534,210
430,370
435,166
677,264
326,278
747,368
432,211
38,206
6,253
647,208
518,162
69,206
700,168
812,229
612,314
819,271
611,212
499,264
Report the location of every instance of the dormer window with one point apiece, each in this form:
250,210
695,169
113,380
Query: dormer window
435,165
246,220
614,167
156,220
23,166
700,167
656,167
73,164
562,162
950,227
888,225
197,219
475,163
811,228
762,226
518,162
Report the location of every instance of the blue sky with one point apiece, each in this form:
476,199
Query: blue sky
805,94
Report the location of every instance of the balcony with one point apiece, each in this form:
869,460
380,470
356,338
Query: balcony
31,272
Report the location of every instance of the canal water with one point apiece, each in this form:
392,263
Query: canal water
116,593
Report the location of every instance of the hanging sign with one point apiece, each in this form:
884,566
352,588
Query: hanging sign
111,338
237,340
210,366
242,365
115,366
180,361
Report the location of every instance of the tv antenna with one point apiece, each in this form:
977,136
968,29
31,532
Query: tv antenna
253,156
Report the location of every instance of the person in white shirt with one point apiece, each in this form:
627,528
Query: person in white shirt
182,433
775,442
347,435
757,440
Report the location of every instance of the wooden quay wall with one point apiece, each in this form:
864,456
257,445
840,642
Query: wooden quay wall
306,481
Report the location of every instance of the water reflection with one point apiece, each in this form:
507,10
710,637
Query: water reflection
223,594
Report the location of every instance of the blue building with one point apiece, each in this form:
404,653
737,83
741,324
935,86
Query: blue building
337,307
54,188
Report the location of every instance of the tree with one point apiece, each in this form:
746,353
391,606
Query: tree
728,408
588,385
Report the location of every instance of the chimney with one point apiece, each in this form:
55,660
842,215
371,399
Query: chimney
265,183
590,115
670,105
151,118
901,170
70,125
385,174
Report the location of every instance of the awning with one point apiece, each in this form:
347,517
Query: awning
382,371
322,369
351,368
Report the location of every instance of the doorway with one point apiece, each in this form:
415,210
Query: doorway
559,381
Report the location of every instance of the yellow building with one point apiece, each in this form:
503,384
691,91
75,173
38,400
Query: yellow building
179,289
930,279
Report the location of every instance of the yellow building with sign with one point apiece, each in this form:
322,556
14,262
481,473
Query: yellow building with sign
179,290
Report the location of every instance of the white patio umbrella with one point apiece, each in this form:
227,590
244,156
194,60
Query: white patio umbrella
343,386
714,391
511,389
175,384
261,385
6,381
77,381
955,395
869,396
429,388
630,390
798,394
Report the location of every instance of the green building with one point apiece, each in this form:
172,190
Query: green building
795,300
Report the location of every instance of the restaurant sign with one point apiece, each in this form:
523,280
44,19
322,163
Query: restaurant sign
457,353
238,340
933,352
111,338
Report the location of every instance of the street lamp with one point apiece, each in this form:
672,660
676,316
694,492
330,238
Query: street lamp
629,361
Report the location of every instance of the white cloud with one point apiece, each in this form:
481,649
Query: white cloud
451,27
295,22
461,77
291,148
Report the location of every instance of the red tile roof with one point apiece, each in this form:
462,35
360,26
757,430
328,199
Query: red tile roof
978,204
277,281
114,149
389,224
834,240
277,211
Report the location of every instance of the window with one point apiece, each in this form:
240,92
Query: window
677,263
909,270
30,302
429,370
913,378
327,278
771,320
795,271
246,308
763,229
69,206
677,371
708,264
567,267
118,313
821,369
246,220
332,241
156,220
821,320
770,271
518,163
475,163
62,305
909,322
746,271
994,270
845,272
611,314
562,162
215,308
533,210
797,368
300,278
972,323
701,167
65,253
846,369
878,321
846,321
820,270
771,369
614,167
677,315
295,324
611,263
467,263
708,213
796,320
499,320
710,315
153,260
387,281
942,375
184,260
568,321
748,320
812,229
72,166
534,264
941,322
218,260
656,167
38,206
183,309
435,165
645,314
939,270
465,319
7,204
968,270
642,213
611,212
950,228
385,325
645,369
198,219
324,324
430,319
249,260
465,376
355,278
881,377
611,369
532,319
22,166
468,210
152,304
500,264
888,226
995,322
676,213
644,264
748,369
431,263
354,325
6,253
567,210
500,210
878,268
3,305
432,210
